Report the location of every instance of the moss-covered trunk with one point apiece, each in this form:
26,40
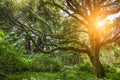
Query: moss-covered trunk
98,68
27,43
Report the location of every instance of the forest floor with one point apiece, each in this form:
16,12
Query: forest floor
69,75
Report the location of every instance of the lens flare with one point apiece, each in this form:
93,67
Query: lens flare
100,24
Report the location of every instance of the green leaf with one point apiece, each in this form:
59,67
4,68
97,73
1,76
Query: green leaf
2,35
2,21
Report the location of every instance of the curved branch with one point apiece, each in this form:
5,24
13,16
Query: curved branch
116,37
76,31
80,50
76,42
59,35
81,21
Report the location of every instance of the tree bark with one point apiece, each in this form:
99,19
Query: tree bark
27,43
98,68
39,44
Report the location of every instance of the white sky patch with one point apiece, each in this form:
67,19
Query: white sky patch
65,14
109,18
112,17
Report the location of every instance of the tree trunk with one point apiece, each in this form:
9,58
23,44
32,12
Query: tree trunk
98,68
27,43
39,44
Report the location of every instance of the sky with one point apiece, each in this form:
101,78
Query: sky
110,18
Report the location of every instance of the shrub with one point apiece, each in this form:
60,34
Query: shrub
109,68
9,59
69,74
3,76
34,76
27,61
113,76
44,62
85,67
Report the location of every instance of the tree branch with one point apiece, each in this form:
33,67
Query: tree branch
70,14
116,37
75,42
80,50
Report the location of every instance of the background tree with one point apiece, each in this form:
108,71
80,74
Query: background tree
34,19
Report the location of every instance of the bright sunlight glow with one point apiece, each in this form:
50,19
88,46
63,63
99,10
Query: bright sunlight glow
110,18
100,24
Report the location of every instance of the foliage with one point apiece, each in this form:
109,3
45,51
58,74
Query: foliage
2,35
34,76
27,62
43,62
9,59
76,72
3,76
68,74
109,69
85,67
113,76
12,60
111,72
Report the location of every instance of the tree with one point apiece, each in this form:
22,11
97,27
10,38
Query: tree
34,19
88,13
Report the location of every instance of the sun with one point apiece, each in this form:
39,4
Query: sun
100,24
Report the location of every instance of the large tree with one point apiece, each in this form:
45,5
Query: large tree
88,13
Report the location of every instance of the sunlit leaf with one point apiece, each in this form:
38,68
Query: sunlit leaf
2,35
